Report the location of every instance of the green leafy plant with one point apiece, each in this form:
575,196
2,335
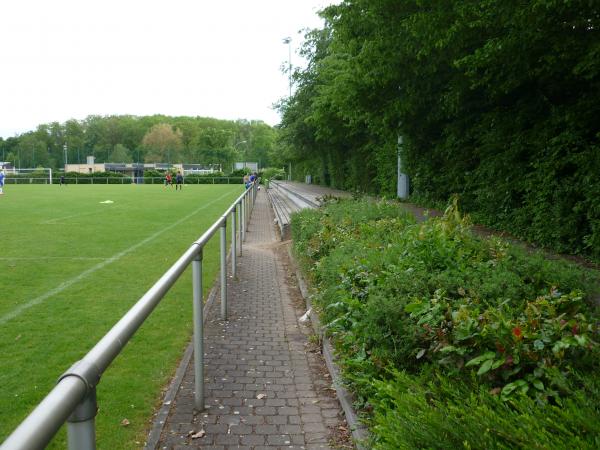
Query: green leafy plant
435,301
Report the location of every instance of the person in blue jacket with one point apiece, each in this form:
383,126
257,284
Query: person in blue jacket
179,181
1,181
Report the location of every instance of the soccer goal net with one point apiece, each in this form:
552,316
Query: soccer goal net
39,175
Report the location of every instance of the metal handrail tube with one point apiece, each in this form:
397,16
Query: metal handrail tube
237,201
105,351
52,412
45,420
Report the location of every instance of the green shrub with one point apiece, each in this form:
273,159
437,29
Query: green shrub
272,173
434,298
435,412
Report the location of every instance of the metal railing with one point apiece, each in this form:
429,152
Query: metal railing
73,399
121,180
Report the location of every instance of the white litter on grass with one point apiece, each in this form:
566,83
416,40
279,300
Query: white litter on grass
107,201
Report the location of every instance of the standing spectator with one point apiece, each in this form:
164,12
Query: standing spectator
62,180
246,181
1,181
179,180
168,179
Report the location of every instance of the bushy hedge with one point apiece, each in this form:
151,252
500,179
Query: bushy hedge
496,101
435,326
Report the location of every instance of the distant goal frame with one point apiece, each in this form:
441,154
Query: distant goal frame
22,172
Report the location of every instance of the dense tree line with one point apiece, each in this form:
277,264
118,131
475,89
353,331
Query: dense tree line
496,100
156,138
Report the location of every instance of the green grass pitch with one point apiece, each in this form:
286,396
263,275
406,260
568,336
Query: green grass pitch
71,266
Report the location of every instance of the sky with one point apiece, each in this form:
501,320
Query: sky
67,59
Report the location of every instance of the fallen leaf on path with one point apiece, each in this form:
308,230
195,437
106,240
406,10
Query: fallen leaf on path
199,434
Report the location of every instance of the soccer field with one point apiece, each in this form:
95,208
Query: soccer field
71,264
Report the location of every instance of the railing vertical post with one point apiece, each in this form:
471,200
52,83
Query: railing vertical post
243,218
246,210
249,205
233,243
239,224
198,332
224,269
81,427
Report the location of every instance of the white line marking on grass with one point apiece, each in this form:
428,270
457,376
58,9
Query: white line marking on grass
57,219
35,258
36,301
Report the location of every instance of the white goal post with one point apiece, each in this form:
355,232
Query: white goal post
38,175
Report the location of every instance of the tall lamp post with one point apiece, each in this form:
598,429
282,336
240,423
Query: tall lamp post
235,146
288,41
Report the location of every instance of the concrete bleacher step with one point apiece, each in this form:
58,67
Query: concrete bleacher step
283,209
287,197
300,199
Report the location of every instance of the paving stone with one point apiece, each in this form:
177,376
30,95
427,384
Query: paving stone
279,439
276,420
253,439
265,429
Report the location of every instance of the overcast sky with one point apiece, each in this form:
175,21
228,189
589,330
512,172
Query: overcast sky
64,59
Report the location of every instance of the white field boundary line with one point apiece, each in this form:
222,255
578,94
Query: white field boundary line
35,258
36,301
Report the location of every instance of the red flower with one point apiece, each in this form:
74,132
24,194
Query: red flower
517,332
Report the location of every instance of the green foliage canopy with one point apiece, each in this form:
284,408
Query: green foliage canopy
495,100
198,140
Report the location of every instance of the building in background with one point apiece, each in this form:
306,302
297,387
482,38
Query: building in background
137,169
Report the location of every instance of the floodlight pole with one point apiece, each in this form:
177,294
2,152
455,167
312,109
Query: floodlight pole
288,41
242,142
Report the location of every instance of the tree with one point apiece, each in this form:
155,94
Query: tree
75,138
120,154
496,101
163,144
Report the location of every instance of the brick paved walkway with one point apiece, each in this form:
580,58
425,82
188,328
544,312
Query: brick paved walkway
264,390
